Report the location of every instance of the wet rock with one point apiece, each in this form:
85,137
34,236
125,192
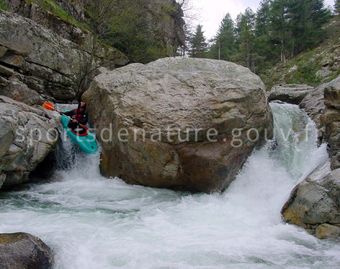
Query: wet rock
290,93
161,103
315,201
327,231
314,105
27,136
24,251
331,120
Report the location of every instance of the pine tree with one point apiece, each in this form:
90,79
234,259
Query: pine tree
263,44
279,29
307,19
223,47
198,44
246,38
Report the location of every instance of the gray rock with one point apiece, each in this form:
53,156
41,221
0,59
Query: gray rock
44,61
289,93
3,51
27,136
181,95
316,200
17,90
314,106
24,251
331,120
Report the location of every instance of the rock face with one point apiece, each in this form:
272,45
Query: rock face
314,106
24,251
36,63
331,120
165,18
289,93
32,10
27,136
314,204
165,111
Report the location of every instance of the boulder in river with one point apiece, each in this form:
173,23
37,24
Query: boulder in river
314,204
187,124
27,136
24,251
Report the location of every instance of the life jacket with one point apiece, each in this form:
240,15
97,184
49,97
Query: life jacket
78,116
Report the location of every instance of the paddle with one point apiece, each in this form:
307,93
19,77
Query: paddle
50,106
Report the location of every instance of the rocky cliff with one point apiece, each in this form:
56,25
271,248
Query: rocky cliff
36,63
144,30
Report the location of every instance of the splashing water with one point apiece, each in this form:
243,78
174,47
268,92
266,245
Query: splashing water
92,222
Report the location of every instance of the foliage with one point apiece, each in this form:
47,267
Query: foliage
54,8
224,45
280,30
3,5
198,44
127,27
304,68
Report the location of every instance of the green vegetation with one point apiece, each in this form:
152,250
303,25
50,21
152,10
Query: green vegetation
127,26
52,7
3,5
198,48
279,30
304,68
223,46
136,28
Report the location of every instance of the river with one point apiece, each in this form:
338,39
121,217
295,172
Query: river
92,222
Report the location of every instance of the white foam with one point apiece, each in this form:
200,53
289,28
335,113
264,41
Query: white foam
93,222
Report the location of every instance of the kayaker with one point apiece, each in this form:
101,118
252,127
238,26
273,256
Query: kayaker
79,119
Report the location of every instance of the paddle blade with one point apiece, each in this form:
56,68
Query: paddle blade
48,106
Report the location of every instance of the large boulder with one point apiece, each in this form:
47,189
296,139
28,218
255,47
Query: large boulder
289,93
163,115
27,137
24,251
42,64
314,204
331,120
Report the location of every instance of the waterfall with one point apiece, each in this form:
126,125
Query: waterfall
93,222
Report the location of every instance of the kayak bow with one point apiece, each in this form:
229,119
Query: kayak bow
87,143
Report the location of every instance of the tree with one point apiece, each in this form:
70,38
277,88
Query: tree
198,44
279,27
263,43
246,39
306,21
224,46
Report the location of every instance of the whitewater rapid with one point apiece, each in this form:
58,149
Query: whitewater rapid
92,222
